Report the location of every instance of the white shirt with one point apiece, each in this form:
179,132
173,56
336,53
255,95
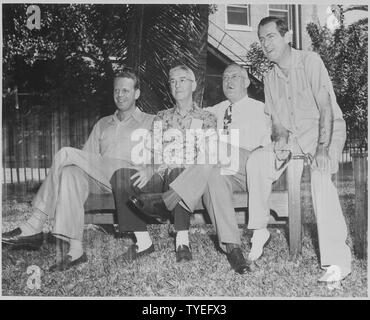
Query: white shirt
248,115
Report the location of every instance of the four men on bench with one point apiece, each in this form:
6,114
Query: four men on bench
306,120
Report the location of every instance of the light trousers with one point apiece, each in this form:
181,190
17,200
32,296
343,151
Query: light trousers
73,175
332,229
217,191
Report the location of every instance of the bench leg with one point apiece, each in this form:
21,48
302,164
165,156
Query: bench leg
295,170
360,176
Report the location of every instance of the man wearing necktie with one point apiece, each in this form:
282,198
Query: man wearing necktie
244,116
227,118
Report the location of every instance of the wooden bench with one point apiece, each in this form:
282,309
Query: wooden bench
284,201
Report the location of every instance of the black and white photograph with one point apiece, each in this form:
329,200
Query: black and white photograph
184,151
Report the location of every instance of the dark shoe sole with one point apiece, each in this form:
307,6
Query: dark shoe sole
131,255
237,261
13,245
65,265
242,269
184,255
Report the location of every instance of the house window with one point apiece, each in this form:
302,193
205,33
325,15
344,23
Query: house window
238,17
282,11
292,15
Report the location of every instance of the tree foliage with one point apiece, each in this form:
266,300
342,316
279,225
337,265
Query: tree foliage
72,58
257,61
169,35
345,54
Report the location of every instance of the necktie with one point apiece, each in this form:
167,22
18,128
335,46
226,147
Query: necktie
227,119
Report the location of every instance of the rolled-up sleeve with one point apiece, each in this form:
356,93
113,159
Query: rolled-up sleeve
317,75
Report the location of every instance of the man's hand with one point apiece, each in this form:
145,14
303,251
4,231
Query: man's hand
321,159
281,149
142,176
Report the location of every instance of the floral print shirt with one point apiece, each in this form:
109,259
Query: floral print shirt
173,145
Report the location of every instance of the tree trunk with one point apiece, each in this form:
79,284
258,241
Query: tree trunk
134,46
201,54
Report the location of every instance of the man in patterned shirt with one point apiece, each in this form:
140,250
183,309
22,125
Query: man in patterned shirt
170,157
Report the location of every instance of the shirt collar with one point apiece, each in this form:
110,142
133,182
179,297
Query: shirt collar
191,110
241,101
295,63
136,115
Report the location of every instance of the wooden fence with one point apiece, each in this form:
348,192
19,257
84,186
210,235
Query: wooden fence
29,143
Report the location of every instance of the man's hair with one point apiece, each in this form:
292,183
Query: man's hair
185,68
130,75
242,69
281,24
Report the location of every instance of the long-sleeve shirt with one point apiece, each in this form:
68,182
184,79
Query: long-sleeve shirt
112,138
292,99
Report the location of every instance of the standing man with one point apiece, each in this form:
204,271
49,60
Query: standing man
305,119
77,173
245,116
170,148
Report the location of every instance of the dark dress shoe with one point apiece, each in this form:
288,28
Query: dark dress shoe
237,261
68,263
131,254
15,240
152,206
183,253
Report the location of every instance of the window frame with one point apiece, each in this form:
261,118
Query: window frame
294,20
238,27
289,11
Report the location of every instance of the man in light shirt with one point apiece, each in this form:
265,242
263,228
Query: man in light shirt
306,119
76,173
246,116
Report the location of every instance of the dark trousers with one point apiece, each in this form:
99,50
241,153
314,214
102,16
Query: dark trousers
129,219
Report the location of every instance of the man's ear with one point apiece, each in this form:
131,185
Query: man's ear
288,37
194,86
137,94
247,82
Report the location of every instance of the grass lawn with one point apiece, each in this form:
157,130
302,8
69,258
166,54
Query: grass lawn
207,275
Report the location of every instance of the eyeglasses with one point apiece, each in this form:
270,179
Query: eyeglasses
231,78
181,81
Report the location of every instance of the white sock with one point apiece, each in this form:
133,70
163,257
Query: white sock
75,249
182,238
143,240
259,238
34,224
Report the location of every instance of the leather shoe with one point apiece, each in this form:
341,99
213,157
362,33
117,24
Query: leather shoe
183,253
237,261
15,240
152,206
131,254
68,263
